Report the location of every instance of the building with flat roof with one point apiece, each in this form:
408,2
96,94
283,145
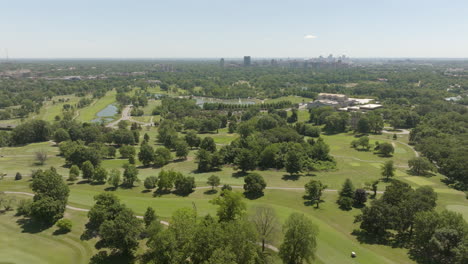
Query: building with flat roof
334,97
247,61
370,106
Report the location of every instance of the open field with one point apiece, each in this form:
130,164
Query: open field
293,99
335,241
89,113
54,108
27,243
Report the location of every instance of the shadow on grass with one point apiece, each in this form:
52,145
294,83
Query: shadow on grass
380,155
103,257
291,177
110,189
209,192
427,174
60,232
29,225
372,239
196,171
239,174
97,183
253,196
146,191
83,182
159,193
182,194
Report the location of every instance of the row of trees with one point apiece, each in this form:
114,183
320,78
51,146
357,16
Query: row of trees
166,180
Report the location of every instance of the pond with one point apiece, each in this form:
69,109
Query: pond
106,114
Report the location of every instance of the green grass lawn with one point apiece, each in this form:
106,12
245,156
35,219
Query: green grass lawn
293,99
89,113
26,243
335,241
50,109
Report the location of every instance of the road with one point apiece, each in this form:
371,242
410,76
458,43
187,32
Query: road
126,115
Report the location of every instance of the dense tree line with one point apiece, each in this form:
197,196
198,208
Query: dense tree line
406,216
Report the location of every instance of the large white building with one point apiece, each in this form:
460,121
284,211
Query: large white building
342,102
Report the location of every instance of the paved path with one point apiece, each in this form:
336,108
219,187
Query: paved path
401,132
126,115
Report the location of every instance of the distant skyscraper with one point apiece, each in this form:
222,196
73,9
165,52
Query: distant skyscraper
221,63
246,60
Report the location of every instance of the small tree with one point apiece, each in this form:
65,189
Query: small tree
165,180
122,233
388,170
182,149
18,176
130,175
314,190
192,139
300,241
213,181
64,225
114,178
346,195
100,175
162,156
226,187
364,142
360,197
146,138
231,206
372,186
266,223
420,166
41,156
74,173
254,184
146,154
245,160
150,182
149,217
88,170
184,185
208,144
386,149
294,162
127,151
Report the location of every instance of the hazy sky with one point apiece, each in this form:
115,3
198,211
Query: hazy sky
221,28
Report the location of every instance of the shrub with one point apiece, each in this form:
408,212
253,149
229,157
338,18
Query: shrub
226,187
150,182
18,176
64,225
24,207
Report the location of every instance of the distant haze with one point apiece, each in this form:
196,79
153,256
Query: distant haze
232,29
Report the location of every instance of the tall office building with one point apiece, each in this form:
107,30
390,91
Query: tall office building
221,63
246,60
